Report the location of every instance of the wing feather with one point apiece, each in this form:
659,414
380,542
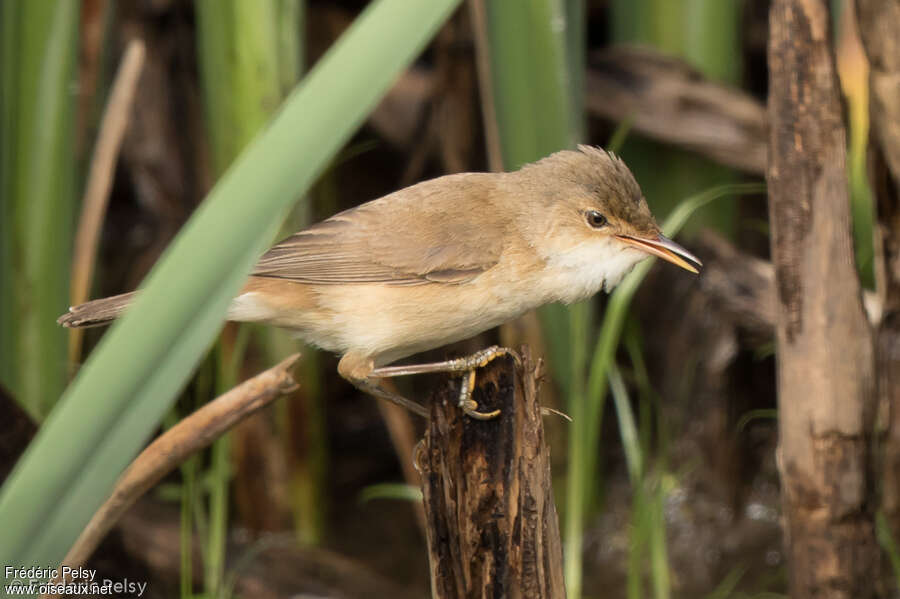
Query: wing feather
410,237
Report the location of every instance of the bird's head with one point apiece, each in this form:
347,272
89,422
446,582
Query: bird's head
590,220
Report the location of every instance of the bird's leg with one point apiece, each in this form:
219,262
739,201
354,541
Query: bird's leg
377,390
466,364
358,370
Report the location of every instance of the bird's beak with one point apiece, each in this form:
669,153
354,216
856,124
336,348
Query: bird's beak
666,249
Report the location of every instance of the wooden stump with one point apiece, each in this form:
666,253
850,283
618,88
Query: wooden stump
825,357
491,520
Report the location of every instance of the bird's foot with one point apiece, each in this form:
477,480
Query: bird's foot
466,364
481,358
468,405
469,365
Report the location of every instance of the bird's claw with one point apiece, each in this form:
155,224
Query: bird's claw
470,409
468,405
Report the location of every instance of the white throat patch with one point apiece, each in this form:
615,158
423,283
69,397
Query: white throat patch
591,266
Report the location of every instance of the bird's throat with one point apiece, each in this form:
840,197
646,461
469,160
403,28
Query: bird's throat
589,267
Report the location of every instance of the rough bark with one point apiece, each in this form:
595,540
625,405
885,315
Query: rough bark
492,524
825,345
879,24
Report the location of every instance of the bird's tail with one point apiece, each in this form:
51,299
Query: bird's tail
96,312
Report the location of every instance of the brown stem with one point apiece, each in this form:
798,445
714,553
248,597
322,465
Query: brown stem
478,16
826,373
99,181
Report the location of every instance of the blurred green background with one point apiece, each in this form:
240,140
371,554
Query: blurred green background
669,490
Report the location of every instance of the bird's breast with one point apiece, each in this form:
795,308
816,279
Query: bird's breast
396,321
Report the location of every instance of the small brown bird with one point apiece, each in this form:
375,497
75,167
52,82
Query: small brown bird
443,260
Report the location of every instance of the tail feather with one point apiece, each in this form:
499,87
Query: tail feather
96,312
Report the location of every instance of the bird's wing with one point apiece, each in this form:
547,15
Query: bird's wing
409,239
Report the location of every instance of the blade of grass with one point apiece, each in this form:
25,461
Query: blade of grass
726,588
648,522
853,69
100,179
128,383
244,77
531,81
390,491
888,544
240,74
478,16
185,538
617,139
630,441
37,169
637,543
706,33
647,396
575,36
659,554
752,415
290,17
712,39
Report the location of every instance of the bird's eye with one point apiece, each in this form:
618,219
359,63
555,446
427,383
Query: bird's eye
595,219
